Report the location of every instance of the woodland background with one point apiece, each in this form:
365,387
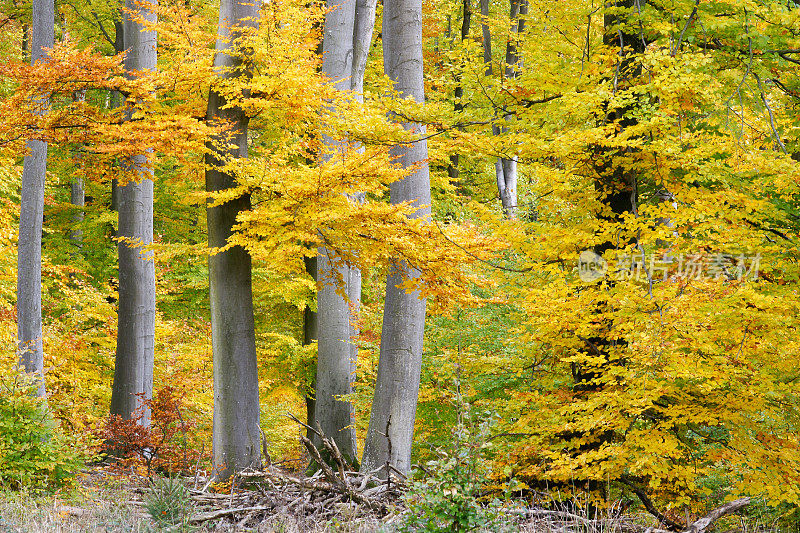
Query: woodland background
657,388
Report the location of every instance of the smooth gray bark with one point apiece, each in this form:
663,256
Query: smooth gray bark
362,42
394,405
237,432
133,368
77,195
31,213
346,42
336,356
506,168
664,196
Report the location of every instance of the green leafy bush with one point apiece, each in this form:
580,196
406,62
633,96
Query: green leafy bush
447,498
34,452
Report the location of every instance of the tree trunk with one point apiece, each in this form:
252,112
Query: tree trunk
347,36
119,47
31,213
506,168
336,356
309,336
486,37
615,186
391,425
453,171
237,432
77,191
26,39
78,199
362,42
133,369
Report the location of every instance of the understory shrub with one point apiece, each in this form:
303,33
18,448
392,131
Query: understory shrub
34,452
447,495
168,503
163,446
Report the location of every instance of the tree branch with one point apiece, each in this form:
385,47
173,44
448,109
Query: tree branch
692,15
716,514
648,504
771,116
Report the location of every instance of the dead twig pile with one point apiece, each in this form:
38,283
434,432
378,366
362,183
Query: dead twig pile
335,489
546,520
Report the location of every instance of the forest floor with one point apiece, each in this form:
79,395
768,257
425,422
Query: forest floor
106,502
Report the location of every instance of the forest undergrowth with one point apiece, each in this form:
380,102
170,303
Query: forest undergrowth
103,500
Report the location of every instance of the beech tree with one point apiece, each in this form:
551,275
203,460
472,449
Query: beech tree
506,166
29,249
236,432
347,36
77,188
615,184
77,196
391,424
133,369
453,170
635,396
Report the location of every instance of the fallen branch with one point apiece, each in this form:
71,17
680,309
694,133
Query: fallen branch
211,515
337,486
716,514
308,483
558,514
698,526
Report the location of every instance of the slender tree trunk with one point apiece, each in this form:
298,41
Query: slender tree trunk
77,195
362,42
237,432
453,171
615,184
77,199
391,425
26,40
486,37
133,370
506,168
347,36
336,357
31,213
119,47
310,336
334,362
664,196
